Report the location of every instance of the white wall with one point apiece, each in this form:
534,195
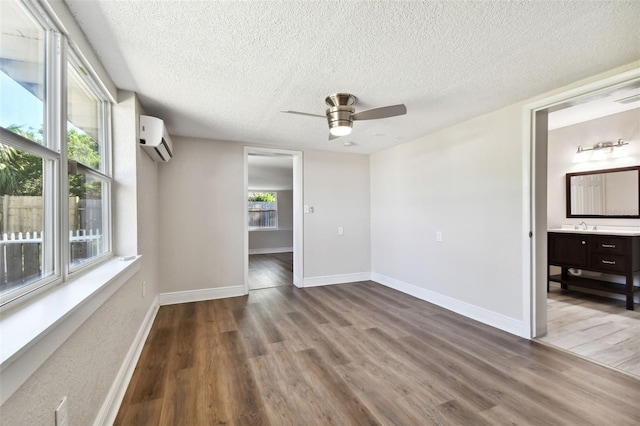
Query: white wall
465,181
263,240
563,144
85,366
337,186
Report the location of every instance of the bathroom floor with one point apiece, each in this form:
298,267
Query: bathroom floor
594,327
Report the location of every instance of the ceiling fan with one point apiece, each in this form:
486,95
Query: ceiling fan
341,114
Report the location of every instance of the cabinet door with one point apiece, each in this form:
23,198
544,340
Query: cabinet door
569,250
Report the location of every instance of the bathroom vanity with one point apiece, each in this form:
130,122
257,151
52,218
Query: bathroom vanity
609,252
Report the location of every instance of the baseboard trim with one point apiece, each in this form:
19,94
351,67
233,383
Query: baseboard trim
109,411
336,279
482,315
269,250
188,296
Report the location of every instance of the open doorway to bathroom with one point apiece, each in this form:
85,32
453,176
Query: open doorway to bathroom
273,228
595,139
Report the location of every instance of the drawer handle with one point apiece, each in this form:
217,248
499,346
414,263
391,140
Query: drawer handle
608,246
584,242
609,262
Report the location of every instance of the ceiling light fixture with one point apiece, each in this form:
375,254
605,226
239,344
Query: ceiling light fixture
340,130
601,151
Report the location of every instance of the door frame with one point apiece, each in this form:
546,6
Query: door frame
298,216
534,163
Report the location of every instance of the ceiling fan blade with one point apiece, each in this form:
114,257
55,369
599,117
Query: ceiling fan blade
382,112
305,113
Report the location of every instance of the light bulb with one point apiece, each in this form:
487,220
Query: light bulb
340,130
581,156
601,154
620,151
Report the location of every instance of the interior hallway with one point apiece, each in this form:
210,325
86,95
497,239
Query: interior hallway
270,270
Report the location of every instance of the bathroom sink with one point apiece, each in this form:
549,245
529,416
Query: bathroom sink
605,230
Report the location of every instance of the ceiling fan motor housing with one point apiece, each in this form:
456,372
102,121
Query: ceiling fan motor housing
340,99
340,109
339,116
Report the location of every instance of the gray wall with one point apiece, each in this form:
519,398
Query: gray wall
202,221
465,181
203,200
337,186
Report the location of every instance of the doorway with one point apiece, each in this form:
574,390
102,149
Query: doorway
273,218
591,324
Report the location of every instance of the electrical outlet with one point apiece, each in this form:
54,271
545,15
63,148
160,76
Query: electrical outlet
340,230
439,236
62,414
144,288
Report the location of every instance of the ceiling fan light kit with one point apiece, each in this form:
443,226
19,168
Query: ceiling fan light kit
341,113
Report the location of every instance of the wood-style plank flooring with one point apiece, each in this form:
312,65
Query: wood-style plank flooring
270,270
357,354
595,327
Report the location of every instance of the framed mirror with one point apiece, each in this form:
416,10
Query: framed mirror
611,193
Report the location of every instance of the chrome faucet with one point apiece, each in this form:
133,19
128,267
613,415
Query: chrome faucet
584,226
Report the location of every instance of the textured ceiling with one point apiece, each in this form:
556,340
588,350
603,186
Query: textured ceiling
224,70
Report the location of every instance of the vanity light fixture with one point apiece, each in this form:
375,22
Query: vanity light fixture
601,151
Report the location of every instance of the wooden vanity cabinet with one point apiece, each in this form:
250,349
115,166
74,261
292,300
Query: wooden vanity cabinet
610,254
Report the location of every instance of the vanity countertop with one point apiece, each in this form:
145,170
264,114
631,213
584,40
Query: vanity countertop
631,231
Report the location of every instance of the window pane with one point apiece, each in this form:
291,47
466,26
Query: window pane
263,210
86,216
83,126
21,72
21,220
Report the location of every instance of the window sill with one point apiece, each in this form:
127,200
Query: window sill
32,331
269,229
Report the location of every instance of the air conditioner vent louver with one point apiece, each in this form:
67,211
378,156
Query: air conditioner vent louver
629,99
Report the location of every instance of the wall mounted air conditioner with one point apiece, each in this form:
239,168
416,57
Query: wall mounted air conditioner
155,139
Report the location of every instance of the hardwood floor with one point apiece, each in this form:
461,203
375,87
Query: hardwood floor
595,327
359,354
270,270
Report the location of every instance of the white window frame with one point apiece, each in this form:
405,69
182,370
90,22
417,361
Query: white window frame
258,228
104,174
59,53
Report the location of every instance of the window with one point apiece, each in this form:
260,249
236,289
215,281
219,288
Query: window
51,166
263,210
22,72
89,181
